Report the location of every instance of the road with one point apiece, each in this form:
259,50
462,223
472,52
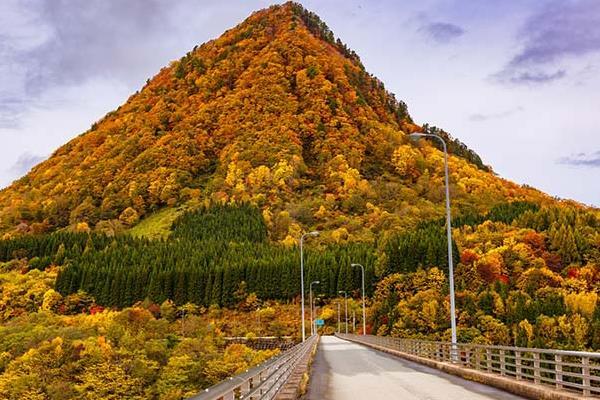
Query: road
347,371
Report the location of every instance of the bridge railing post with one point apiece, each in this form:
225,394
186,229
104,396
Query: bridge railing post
229,396
502,362
468,350
518,374
585,373
536,368
558,376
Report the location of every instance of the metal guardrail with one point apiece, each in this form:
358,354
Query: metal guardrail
263,342
575,371
263,381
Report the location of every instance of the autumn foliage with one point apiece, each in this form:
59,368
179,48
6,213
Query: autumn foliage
128,255
273,112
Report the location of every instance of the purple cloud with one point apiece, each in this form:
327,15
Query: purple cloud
562,29
25,162
536,77
558,31
582,160
10,111
479,117
442,32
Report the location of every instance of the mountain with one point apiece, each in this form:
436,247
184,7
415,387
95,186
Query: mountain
275,112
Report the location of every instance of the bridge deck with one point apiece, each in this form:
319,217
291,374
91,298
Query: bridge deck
346,371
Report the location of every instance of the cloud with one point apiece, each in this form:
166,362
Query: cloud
10,111
561,29
44,45
83,39
442,32
24,163
531,77
557,32
582,160
478,117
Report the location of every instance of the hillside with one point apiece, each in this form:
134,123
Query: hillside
129,255
275,112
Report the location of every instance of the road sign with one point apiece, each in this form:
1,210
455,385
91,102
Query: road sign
319,322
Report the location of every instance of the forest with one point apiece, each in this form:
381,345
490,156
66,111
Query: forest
526,276
518,266
55,347
209,254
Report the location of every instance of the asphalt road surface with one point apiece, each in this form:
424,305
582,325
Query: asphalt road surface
347,371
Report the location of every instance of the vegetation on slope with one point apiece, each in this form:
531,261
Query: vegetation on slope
274,112
67,348
211,252
527,276
157,225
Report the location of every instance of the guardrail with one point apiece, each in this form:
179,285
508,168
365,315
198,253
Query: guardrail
574,371
263,342
263,381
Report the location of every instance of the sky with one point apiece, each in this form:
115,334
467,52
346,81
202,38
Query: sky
518,81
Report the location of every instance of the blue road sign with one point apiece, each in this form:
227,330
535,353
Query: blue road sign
319,322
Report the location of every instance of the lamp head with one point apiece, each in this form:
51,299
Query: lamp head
355,265
317,282
314,233
415,136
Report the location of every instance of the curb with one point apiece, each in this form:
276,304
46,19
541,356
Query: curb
292,389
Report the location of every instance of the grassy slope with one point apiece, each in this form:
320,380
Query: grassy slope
157,225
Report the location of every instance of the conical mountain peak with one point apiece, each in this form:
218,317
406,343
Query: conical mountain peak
273,110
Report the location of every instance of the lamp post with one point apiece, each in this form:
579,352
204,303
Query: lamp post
417,136
345,308
364,314
314,233
310,300
338,316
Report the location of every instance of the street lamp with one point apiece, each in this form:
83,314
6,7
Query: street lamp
345,308
310,300
314,233
417,136
338,316
364,314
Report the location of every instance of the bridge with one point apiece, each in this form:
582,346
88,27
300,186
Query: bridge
374,367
